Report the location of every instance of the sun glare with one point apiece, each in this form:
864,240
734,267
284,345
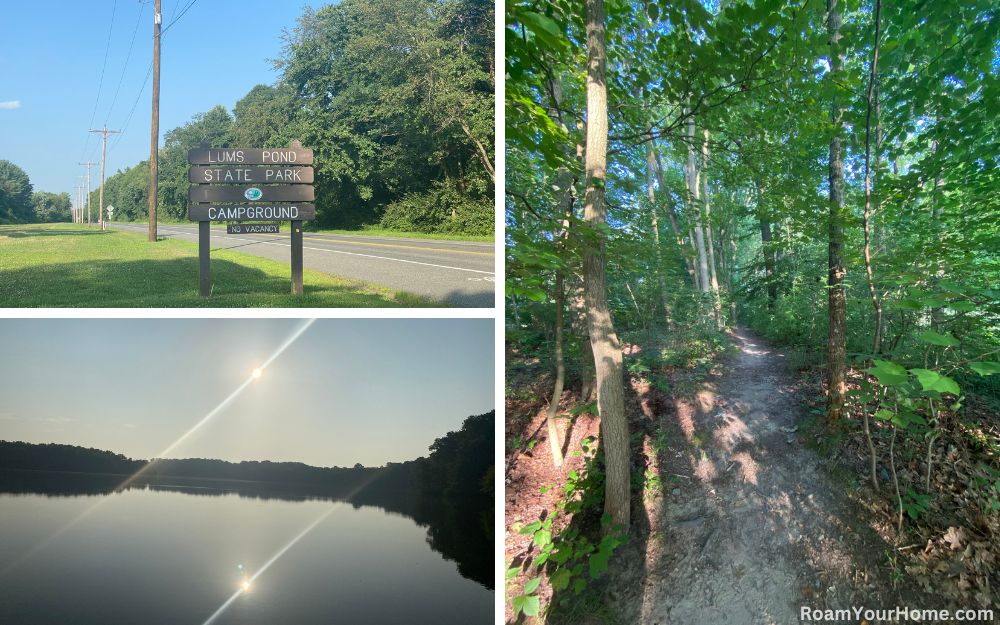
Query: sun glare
256,373
246,585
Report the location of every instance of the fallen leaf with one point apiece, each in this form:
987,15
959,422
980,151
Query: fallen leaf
954,537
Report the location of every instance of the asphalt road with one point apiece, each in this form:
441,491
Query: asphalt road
460,273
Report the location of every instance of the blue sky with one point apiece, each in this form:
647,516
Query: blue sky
52,55
345,391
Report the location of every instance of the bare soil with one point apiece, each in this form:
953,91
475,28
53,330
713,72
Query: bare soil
758,529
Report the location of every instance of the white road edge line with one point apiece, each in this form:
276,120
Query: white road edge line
317,249
364,236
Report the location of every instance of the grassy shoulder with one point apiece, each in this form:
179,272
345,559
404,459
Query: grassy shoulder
67,265
368,232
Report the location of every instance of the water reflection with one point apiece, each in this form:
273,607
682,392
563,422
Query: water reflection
169,550
459,535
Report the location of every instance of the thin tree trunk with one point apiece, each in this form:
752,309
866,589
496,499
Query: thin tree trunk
868,190
765,242
672,214
716,302
693,191
837,342
607,349
550,416
650,166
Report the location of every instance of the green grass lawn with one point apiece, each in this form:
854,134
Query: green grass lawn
370,231
58,265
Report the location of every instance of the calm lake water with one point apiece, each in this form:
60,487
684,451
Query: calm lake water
169,552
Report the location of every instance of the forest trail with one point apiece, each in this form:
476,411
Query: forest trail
759,530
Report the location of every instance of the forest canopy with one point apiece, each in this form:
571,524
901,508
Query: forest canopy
825,172
395,100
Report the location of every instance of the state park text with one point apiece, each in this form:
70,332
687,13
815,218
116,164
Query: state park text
230,175
286,212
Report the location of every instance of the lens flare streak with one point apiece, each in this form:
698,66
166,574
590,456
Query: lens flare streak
269,563
163,453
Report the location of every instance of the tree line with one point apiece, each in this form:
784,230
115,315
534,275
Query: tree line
824,172
19,203
395,100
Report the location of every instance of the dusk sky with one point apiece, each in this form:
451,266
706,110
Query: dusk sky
52,89
345,391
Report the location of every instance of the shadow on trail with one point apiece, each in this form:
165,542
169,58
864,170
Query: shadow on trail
758,529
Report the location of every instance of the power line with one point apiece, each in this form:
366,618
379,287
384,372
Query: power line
141,91
183,11
103,67
127,57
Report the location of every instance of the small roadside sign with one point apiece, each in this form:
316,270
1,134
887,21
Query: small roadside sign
252,229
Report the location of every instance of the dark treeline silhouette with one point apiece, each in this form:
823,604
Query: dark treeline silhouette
456,497
327,481
450,492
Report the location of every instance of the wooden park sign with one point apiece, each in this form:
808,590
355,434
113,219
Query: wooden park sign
271,192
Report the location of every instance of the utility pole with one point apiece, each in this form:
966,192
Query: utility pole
79,212
89,165
104,144
155,131
82,178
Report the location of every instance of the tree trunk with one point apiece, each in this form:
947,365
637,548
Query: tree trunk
868,191
674,223
716,302
650,166
578,322
607,350
765,242
837,343
693,192
550,416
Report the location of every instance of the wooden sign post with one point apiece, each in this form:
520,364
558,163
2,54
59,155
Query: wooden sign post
267,184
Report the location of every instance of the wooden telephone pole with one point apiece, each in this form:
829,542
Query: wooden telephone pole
81,196
89,165
155,131
104,145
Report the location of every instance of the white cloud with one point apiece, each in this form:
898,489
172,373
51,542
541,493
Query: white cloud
131,425
13,104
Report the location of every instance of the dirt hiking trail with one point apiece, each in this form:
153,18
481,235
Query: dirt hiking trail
758,529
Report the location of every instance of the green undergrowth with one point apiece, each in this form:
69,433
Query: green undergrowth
569,558
68,265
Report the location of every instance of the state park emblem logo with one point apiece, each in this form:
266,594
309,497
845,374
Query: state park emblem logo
253,193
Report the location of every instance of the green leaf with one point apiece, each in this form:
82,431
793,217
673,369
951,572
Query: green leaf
532,584
579,585
909,304
542,27
946,340
900,420
888,373
934,381
531,528
985,368
882,415
560,580
528,605
599,562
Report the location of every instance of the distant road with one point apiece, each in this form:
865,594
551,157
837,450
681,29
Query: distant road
460,273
